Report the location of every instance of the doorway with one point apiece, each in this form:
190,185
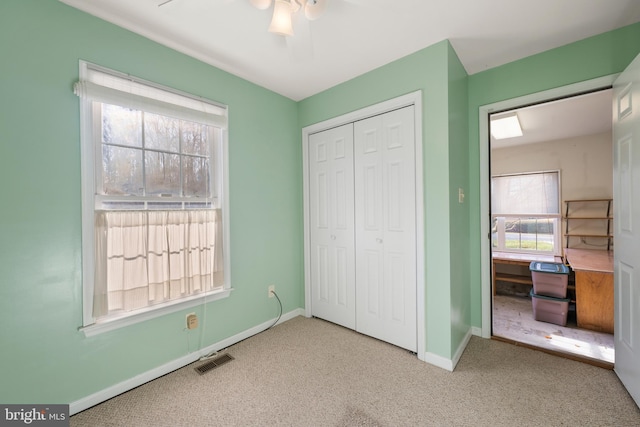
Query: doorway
508,304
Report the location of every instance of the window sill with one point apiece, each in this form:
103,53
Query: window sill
151,313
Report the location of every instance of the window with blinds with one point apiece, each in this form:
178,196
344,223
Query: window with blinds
155,229
525,213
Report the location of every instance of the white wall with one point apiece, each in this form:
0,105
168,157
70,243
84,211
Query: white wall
586,172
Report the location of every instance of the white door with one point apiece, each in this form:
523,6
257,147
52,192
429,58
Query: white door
386,306
626,184
331,226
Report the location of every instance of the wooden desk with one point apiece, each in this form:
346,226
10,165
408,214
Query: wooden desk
523,260
594,288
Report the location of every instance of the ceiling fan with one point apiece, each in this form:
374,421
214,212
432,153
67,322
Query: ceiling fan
285,11
291,19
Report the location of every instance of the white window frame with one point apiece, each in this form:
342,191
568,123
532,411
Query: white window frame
500,219
90,169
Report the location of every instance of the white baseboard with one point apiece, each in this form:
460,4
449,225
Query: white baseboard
461,347
449,364
476,331
439,361
131,383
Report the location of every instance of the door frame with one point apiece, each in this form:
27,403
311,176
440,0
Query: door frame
411,99
485,212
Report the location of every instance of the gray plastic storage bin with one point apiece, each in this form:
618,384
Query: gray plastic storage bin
550,309
549,278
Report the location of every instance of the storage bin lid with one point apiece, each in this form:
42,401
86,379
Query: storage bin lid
549,267
532,295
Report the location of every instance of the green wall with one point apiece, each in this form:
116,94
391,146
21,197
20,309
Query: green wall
44,357
597,56
459,212
436,71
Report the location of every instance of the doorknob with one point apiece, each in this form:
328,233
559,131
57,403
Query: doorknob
333,237
378,240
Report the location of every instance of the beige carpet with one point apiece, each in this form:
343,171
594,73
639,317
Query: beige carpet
307,372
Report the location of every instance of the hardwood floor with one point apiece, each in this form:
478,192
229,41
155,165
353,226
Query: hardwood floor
513,321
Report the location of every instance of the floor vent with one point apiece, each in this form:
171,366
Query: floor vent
213,363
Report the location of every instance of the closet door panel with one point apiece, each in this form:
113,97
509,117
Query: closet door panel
384,148
331,225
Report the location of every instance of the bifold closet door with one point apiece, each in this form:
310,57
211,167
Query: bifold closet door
331,225
384,153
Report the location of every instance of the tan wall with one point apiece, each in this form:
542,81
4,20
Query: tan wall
586,172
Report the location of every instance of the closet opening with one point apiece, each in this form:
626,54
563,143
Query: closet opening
551,227
363,221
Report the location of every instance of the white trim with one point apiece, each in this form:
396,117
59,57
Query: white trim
87,186
415,99
131,383
420,272
450,364
226,217
476,331
463,345
485,219
152,312
438,361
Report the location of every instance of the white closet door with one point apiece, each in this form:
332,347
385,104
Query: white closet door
331,225
626,270
386,306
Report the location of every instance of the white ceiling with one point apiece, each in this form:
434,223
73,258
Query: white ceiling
582,115
356,36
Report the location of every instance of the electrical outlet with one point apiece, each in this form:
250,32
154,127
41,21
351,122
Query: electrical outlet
192,321
272,289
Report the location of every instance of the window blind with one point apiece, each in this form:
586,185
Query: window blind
104,86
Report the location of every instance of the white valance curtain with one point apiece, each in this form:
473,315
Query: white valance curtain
145,258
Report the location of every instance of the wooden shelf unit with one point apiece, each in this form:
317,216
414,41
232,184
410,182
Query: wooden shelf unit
607,218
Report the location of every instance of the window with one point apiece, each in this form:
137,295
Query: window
525,213
155,228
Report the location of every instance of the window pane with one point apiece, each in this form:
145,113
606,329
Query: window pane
528,234
162,173
161,132
121,126
195,174
194,138
121,170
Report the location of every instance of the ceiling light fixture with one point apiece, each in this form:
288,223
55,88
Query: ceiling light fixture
281,21
283,11
507,126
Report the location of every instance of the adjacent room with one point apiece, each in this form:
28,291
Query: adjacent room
190,179
552,203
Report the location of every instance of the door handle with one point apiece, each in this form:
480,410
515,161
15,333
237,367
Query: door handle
378,240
